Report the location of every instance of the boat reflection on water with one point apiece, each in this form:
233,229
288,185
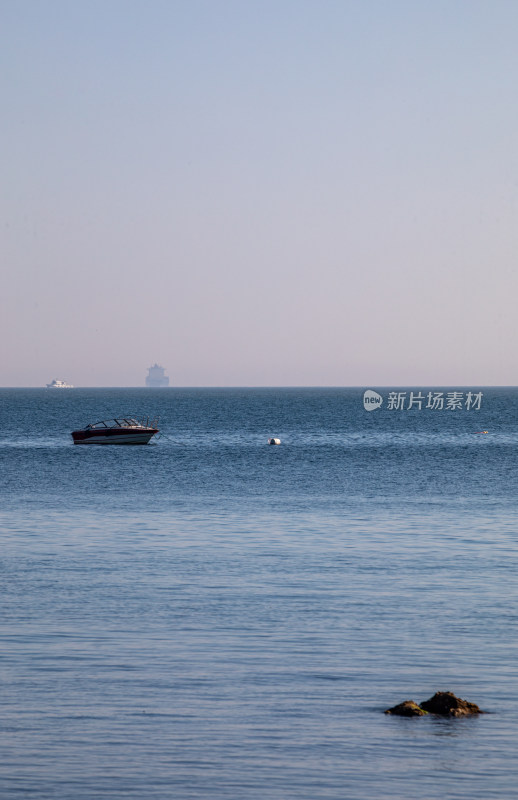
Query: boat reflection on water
121,430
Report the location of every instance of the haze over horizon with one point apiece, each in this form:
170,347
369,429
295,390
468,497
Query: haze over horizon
259,194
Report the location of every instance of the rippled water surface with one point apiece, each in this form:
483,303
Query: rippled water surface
208,616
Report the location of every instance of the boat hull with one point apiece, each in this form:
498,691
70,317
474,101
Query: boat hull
114,436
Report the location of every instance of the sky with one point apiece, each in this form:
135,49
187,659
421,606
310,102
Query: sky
259,192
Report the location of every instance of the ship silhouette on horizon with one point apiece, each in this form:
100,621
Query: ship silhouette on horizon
156,377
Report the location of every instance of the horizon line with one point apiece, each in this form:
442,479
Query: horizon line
288,386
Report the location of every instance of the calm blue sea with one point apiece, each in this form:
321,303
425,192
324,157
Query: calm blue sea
211,617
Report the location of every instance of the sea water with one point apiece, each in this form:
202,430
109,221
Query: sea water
208,616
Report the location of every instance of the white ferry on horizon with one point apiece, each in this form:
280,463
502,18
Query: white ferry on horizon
59,385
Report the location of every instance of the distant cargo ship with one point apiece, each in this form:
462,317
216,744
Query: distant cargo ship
59,385
156,377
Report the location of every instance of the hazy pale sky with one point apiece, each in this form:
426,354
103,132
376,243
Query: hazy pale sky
259,192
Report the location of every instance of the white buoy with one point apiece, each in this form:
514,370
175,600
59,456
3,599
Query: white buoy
274,441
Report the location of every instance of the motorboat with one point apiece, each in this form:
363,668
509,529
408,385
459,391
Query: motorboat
59,385
122,430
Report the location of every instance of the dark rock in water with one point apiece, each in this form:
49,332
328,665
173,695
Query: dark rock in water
447,705
408,708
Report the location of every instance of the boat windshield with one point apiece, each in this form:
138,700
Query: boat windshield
120,422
